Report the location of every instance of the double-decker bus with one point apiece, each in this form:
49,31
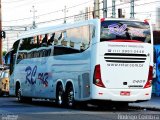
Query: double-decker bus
90,61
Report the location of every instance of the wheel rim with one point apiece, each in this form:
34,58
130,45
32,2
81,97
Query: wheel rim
70,97
60,97
19,95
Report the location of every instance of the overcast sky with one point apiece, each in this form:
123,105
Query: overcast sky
18,12
21,9
46,10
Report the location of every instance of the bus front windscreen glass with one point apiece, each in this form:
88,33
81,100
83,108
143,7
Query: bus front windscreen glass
125,31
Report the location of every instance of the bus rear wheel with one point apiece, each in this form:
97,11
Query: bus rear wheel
70,97
60,96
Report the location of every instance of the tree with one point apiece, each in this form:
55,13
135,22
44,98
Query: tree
4,53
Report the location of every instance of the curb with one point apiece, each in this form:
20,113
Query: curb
145,108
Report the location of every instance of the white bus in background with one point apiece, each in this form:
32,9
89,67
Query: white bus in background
91,61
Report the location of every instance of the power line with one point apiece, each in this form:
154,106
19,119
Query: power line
18,19
148,3
84,13
66,17
25,2
13,1
61,10
135,5
76,6
21,19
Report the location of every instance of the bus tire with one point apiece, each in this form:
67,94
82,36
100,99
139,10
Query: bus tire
60,95
19,96
1,93
70,102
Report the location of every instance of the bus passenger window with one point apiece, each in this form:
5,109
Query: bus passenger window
85,37
50,41
44,41
57,40
19,58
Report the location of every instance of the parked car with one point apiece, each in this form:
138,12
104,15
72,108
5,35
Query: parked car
4,82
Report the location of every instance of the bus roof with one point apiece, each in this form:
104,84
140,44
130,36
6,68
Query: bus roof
52,29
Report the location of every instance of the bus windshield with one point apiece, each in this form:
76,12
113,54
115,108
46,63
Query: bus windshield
125,30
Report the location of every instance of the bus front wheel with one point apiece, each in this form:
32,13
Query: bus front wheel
19,96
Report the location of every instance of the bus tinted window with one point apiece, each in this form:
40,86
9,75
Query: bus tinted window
72,40
59,50
125,30
27,44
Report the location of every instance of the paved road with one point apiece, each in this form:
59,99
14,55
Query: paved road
10,109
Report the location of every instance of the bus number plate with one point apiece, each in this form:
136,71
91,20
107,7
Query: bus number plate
125,93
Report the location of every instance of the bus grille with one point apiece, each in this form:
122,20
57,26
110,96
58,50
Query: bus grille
125,58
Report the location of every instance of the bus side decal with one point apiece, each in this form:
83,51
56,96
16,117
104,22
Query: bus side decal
31,76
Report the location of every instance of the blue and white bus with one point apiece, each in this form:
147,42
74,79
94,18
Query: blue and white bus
95,60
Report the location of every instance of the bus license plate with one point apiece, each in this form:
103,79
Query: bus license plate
125,93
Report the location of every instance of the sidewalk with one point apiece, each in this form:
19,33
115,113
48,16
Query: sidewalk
154,103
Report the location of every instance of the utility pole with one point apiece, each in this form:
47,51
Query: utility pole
34,17
86,13
0,33
96,9
105,8
7,43
120,15
132,9
65,12
113,8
